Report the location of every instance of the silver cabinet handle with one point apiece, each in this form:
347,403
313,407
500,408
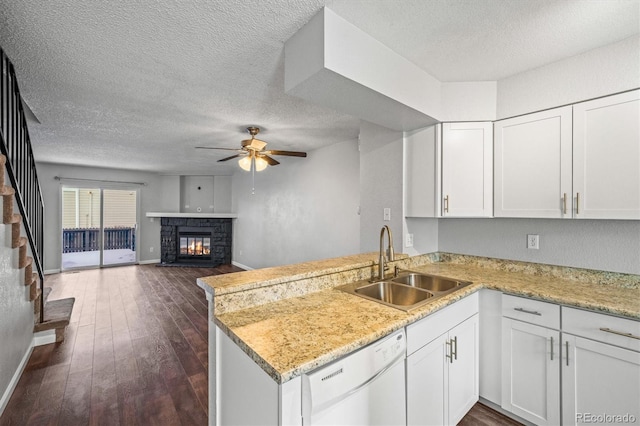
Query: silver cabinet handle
577,203
619,333
528,312
450,354
455,345
446,204
564,203
551,348
567,348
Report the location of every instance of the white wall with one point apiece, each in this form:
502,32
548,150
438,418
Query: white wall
303,209
599,72
150,199
380,184
610,245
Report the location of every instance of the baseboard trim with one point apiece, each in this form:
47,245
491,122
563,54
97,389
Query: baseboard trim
501,410
44,337
51,271
6,396
240,265
148,262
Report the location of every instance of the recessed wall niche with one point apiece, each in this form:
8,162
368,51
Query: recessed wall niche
196,194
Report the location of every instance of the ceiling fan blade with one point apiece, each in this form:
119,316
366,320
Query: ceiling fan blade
288,153
215,147
229,158
271,161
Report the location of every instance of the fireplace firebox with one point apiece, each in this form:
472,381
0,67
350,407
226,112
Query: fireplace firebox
194,244
199,242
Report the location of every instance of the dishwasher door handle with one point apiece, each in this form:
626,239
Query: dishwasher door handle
355,389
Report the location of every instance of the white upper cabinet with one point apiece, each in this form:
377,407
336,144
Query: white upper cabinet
532,159
606,157
467,169
422,172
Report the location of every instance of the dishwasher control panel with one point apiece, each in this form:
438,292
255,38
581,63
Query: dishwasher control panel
387,350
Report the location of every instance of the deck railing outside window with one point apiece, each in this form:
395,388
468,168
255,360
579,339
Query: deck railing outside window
88,239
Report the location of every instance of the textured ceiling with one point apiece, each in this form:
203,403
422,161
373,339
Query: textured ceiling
137,85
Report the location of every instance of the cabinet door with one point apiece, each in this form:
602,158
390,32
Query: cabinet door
427,383
599,380
467,169
532,160
606,157
463,369
531,372
422,172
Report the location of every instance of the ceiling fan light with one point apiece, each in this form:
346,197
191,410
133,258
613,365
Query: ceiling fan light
261,164
245,163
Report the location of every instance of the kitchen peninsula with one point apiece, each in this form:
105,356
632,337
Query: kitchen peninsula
282,322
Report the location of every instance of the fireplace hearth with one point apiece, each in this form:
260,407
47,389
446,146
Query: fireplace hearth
202,242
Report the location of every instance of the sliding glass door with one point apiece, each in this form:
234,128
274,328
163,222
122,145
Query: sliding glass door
98,227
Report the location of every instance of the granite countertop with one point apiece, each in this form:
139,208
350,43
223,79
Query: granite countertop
257,278
293,336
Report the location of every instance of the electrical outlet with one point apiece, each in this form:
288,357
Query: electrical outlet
150,249
387,214
409,241
533,241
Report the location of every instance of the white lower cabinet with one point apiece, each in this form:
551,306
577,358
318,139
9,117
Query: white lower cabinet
531,359
531,372
442,375
600,381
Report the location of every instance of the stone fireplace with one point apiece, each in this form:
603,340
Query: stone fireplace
195,241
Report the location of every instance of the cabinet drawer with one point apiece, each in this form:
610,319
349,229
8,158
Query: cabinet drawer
531,311
429,328
601,327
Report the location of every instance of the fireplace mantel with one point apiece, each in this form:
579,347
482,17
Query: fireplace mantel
193,215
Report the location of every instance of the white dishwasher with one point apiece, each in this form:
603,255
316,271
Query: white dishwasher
366,387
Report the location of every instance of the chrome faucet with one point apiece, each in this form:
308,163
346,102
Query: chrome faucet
383,256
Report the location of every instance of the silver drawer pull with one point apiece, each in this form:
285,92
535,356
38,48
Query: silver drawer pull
528,312
619,333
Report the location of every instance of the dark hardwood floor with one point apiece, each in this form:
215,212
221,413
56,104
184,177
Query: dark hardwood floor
135,353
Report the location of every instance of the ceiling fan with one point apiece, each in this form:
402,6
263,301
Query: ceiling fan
252,153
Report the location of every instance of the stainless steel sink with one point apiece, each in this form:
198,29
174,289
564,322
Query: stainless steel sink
408,290
392,293
428,282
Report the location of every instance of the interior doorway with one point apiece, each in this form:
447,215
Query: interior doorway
99,227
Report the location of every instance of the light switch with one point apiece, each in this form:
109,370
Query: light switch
387,214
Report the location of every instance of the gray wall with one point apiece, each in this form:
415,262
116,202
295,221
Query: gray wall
610,245
599,72
303,209
16,314
196,194
381,176
150,199
170,199
594,244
